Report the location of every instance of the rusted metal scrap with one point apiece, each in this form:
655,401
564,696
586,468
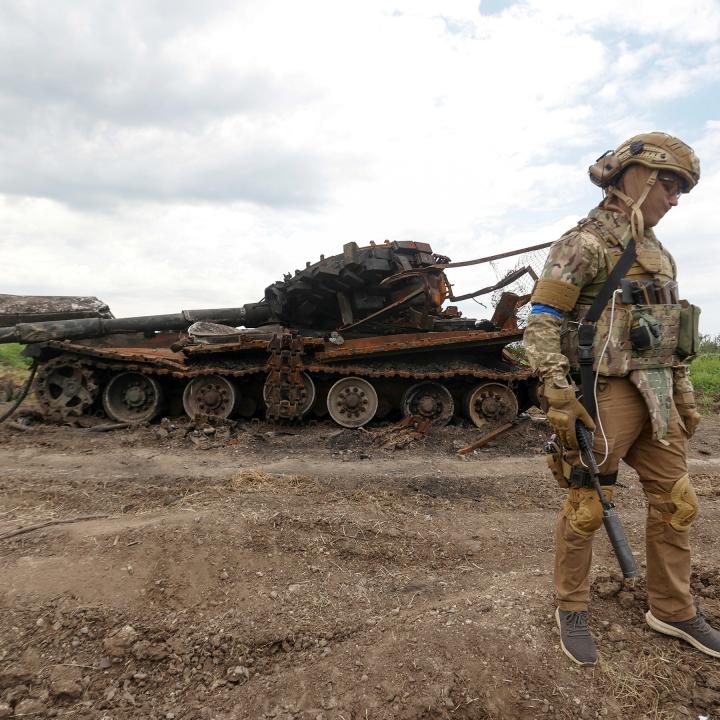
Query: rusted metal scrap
38,308
402,433
485,439
490,436
285,392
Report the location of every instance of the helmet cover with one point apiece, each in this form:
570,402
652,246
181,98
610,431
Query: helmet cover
655,150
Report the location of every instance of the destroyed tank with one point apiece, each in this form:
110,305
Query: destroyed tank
360,336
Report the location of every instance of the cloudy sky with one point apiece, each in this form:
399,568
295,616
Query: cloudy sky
170,154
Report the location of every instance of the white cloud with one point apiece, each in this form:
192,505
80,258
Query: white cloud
167,155
691,233
697,21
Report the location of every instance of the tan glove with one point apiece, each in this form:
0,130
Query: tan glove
564,409
689,415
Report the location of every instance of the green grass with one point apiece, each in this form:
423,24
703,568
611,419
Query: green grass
705,376
11,358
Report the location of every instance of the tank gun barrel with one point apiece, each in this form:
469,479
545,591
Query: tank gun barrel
97,327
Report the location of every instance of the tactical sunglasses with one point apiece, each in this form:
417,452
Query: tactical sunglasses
672,185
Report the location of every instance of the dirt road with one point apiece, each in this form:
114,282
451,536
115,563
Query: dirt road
268,574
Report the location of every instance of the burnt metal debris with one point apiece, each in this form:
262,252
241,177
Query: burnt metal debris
357,336
16,309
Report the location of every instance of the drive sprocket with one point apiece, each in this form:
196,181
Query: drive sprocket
65,387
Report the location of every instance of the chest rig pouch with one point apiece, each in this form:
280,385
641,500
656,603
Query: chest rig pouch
644,331
653,313
634,337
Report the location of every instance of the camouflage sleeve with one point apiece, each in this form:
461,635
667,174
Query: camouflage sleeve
572,263
542,345
683,390
576,258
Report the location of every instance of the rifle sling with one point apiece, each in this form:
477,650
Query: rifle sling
586,330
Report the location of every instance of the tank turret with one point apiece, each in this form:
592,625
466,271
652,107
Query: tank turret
378,289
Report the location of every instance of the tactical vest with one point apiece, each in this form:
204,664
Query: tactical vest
652,314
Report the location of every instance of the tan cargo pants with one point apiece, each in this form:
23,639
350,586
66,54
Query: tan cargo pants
627,427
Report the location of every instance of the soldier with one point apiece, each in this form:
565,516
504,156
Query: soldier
645,403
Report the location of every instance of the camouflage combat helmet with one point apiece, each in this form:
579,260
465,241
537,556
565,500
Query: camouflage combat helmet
656,150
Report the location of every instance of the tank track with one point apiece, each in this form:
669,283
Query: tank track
166,364
168,368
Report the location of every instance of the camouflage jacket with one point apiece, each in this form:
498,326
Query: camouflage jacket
576,268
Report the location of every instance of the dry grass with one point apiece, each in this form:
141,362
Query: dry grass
253,479
652,680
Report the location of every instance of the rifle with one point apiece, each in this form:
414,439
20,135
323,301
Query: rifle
586,338
611,520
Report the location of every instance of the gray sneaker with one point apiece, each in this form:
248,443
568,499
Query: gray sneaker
575,638
695,631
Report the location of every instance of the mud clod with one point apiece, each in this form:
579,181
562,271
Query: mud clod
119,643
66,681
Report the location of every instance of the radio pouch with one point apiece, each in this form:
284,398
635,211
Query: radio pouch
645,330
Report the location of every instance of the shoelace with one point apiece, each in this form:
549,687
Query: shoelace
576,623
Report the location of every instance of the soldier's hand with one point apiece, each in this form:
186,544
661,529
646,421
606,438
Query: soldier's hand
564,410
690,417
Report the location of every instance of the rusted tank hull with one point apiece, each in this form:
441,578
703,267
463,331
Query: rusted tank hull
431,375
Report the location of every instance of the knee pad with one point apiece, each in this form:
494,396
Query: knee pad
583,510
686,504
679,507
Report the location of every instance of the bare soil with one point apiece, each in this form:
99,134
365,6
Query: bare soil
279,572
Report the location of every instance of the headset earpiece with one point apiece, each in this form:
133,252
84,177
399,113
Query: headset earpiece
606,168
